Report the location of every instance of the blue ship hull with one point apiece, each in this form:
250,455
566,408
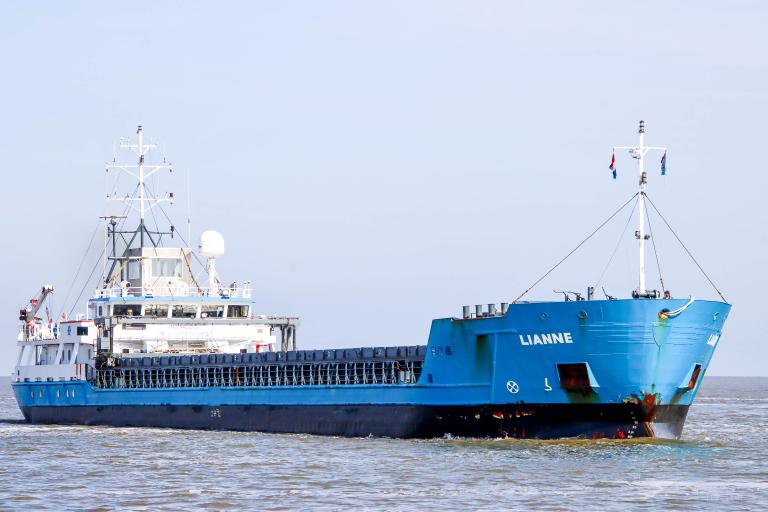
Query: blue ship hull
543,370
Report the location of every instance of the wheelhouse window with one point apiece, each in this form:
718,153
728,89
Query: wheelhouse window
126,310
184,311
212,311
239,311
166,267
134,269
156,310
82,330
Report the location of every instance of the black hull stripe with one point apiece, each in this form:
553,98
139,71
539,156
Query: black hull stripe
540,421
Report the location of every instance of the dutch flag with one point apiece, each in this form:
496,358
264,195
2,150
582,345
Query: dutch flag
612,167
664,164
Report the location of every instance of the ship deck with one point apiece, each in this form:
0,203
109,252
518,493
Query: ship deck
351,366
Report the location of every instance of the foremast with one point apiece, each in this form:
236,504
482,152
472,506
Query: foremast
638,153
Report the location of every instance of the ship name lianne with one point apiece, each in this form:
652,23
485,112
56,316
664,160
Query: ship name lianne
550,338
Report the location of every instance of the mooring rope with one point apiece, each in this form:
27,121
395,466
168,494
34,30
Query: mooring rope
671,314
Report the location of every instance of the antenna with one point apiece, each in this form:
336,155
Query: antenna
638,153
141,171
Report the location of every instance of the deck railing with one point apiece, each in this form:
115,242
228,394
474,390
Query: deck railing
35,332
337,373
235,292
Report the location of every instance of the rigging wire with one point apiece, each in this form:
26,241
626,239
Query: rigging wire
90,276
98,260
152,196
575,248
112,191
82,262
686,249
121,223
655,252
176,233
162,210
618,243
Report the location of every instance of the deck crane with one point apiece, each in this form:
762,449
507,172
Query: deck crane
28,313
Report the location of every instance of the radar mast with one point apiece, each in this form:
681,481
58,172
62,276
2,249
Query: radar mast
142,201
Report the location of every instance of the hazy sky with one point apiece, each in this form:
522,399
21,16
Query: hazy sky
376,165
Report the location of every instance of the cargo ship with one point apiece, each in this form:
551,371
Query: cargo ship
163,345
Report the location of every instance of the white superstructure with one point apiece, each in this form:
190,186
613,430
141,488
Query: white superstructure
153,299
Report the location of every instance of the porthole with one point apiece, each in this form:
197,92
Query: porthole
543,316
582,315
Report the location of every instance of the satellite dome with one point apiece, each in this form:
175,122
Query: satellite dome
212,244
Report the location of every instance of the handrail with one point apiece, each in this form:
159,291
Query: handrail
291,374
35,332
172,291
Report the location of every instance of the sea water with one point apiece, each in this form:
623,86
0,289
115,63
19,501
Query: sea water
721,463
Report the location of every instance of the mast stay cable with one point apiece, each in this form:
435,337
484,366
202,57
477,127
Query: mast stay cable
655,252
90,276
82,262
576,248
87,281
165,214
686,249
618,243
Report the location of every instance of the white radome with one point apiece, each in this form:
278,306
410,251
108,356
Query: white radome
211,244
